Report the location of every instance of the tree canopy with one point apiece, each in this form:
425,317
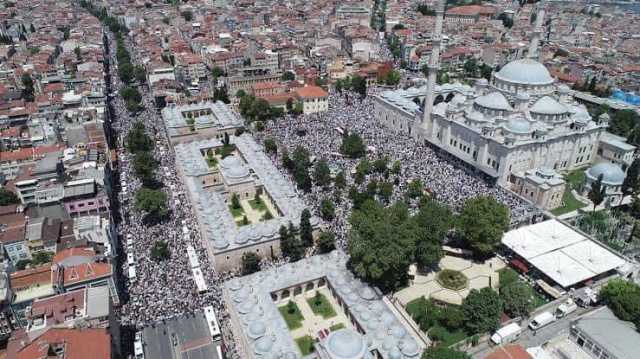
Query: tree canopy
442,352
382,242
623,298
7,197
481,224
250,263
154,202
482,310
352,145
517,298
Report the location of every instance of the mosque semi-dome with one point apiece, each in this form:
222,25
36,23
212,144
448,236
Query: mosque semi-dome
494,100
525,71
548,106
612,174
518,125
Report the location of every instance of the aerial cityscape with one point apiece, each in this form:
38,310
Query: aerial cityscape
355,179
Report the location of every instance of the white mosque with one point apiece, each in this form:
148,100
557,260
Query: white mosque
519,128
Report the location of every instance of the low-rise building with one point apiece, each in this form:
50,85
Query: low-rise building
202,120
313,98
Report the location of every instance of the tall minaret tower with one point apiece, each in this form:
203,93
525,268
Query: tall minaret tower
434,65
537,33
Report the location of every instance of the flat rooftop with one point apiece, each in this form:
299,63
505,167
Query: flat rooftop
186,337
266,332
560,252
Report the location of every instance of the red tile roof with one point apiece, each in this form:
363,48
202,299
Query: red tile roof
30,277
85,272
77,343
511,351
310,92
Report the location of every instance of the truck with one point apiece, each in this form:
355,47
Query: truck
506,334
541,320
566,308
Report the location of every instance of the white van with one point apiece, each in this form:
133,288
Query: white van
506,334
566,308
541,320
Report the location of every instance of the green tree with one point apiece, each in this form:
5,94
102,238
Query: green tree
597,193
352,146
290,245
154,202
235,201
381,244
250,263
322,174
396,167
125,71
28,93
270,145
144,166
7,197
359,85
631,183
385,191
326,242
380,164
415,189
452,317
424,10
470,67
216,72
482,309
623,298
22,264
160,251
41,257
443,352
436,220
481,224
340,181
187,15
137,140
140,74
517,298
306,231
288,76
327,210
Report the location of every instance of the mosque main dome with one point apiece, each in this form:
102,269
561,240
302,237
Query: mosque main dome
525,72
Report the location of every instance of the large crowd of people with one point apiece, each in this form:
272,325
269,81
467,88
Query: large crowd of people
448,180
161,289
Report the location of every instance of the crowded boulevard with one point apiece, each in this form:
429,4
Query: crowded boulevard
158,290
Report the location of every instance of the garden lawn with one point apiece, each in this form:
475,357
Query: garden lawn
258,206
321,306
236,212
415,307
305,344
571,203
293,320
335,327
445,337
452,279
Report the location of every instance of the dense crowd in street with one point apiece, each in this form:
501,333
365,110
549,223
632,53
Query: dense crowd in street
161,289
447,180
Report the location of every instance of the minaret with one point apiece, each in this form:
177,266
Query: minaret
434,65
537,33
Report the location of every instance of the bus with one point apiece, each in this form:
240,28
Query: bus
212,322
201,284
193,257
138,350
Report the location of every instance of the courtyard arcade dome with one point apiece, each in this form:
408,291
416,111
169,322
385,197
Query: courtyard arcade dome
233,167
525,72
612,174
346,344
494,101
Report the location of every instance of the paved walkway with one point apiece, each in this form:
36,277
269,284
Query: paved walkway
312,323
480,275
